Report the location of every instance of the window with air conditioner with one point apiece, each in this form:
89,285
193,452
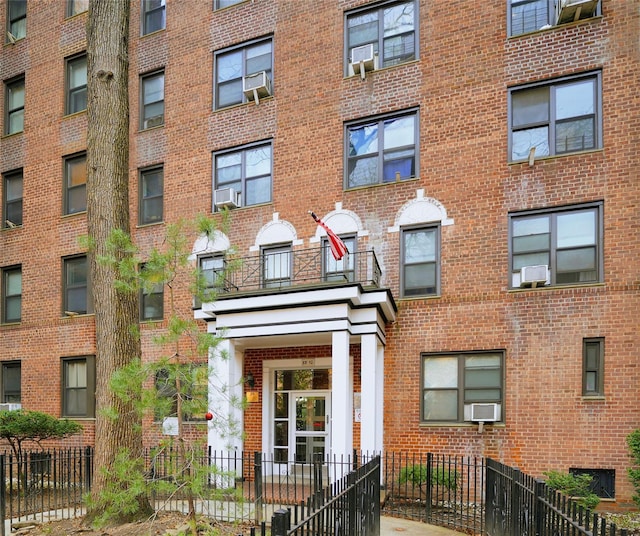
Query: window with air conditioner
462,387
381,150
381,36
152,100
243,175
250,63
527,16
555,118
567,241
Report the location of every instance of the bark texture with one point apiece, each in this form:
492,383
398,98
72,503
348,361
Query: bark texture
108,209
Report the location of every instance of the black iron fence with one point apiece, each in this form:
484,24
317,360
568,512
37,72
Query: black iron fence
520,505
467,494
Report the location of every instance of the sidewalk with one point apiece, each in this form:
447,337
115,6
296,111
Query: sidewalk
393,526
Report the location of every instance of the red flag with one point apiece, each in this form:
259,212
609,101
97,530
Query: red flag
338,247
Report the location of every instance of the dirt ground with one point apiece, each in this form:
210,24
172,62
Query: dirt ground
165,523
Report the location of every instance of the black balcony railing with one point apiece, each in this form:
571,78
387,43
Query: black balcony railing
311,267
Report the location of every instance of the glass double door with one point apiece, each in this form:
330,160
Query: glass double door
302,426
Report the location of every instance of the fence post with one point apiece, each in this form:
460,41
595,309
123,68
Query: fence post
538,506
514,507
88,468
257,485
280,522
427,486
3,492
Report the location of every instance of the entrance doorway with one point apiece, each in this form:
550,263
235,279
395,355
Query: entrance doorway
301,415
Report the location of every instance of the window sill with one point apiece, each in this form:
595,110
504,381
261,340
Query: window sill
555,156
593,398
548,27
556,287
471,425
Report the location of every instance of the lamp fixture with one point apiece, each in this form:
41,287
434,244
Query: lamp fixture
250,380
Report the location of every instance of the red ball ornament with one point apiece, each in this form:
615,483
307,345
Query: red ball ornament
208,415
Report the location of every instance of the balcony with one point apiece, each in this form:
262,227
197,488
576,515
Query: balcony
289,269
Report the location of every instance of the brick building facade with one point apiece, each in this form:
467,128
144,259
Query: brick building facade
477,159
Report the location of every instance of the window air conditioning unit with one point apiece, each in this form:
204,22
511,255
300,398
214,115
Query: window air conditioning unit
363,59
485,412
533,276
155,121
10,407
572,10
256,85
226,197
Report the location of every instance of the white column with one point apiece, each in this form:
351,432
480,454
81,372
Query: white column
341,396
372,400
225,393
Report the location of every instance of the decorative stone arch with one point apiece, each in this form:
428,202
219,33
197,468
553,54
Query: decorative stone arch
204,244
420,210
276,231
341,222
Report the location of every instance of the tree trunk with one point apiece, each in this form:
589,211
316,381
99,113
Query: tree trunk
116,313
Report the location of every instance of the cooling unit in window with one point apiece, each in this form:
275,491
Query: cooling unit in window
10,407
572,10
256,86
485,412
154,121
534,276
226,197
363,59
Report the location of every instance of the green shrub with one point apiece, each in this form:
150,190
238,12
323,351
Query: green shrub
633,440
578,487
417,475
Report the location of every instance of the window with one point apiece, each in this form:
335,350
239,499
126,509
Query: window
532,15
75,184
153,16
276,266
603,481
78,386
14,119
75,7
76,84
11,383
76,294
11,294
344,269
593,367
452,381
247,171
16,20
420,257
220,4
12,199
212,270
557,118
193,391
390,28
152,95
151,295
151,195
232,65
382,150
568,241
